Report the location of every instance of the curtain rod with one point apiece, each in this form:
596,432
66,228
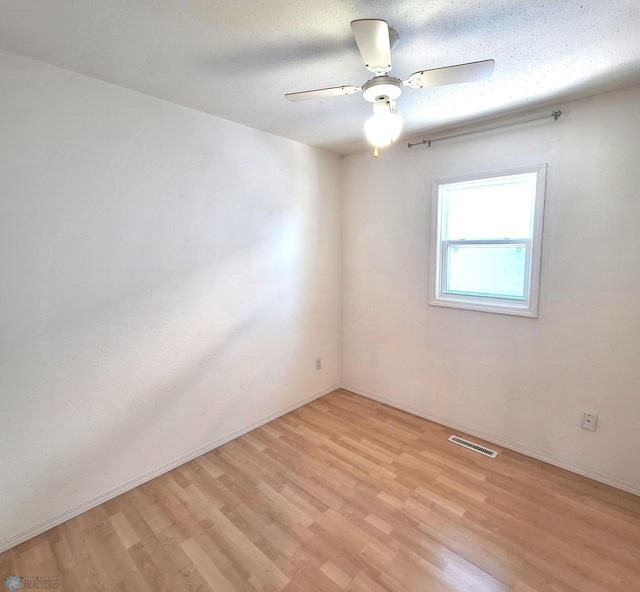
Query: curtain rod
554,114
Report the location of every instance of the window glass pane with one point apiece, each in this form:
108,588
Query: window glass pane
487,270
496,208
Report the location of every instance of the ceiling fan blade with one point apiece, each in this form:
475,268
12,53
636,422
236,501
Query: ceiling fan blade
372,37
322,93
472,72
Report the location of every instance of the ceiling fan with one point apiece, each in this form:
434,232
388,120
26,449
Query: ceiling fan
375,39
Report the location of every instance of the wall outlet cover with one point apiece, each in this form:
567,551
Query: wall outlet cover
589,421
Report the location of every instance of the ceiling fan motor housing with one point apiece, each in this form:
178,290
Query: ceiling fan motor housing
382,86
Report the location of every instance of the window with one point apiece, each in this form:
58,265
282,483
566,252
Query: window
487,240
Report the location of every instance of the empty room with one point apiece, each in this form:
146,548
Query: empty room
334,297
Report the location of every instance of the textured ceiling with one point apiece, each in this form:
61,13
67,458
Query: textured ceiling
237,59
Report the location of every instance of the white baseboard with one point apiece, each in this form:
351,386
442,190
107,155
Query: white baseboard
25,535
510,445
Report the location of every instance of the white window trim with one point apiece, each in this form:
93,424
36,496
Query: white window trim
526,308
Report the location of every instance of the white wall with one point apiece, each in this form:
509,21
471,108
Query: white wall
516,381
167,280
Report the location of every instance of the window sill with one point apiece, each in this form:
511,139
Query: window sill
520,310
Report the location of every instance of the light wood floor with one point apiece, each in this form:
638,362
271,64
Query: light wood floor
348,494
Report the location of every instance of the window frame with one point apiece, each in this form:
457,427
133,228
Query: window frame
527,306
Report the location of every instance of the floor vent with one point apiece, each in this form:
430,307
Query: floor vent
474,447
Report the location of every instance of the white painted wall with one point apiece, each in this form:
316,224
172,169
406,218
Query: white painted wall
516,381
167,280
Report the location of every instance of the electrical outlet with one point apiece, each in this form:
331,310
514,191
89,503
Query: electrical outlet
318,363
589,421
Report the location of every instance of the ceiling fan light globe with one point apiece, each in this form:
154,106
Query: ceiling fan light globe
383,129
